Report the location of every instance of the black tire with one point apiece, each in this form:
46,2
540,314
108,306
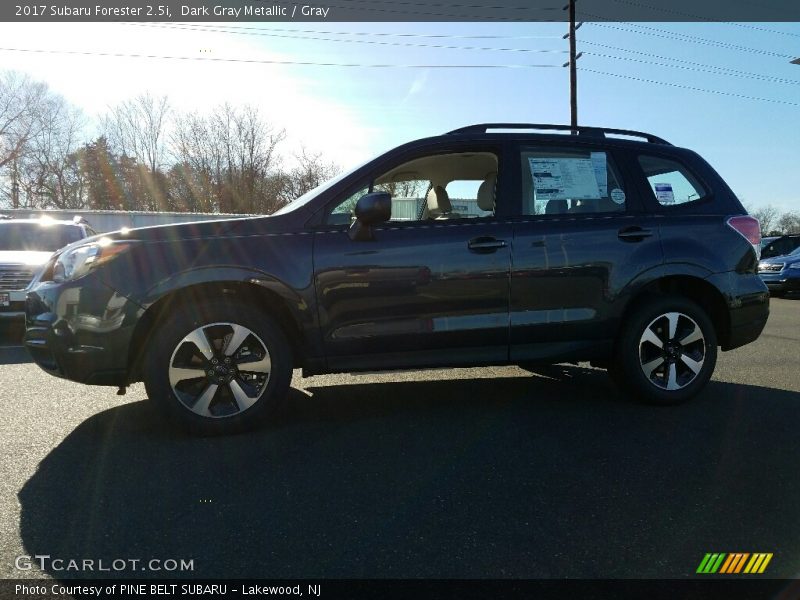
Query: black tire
684,369
260,367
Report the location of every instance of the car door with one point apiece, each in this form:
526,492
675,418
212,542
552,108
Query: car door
580,238
431,287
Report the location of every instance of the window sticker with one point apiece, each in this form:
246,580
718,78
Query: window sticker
600,172
563,179
664,193
618,196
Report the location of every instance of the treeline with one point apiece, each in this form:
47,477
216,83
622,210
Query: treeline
774,222
144,156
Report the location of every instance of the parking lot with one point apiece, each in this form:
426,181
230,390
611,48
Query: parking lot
466,473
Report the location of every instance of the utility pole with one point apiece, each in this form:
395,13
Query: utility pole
573,71
14,184
573,66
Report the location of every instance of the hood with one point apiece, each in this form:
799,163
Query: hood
202,229
786,258
24,257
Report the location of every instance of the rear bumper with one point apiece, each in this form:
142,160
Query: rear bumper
80,331
747,298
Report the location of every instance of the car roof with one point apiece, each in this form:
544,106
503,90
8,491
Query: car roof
583,131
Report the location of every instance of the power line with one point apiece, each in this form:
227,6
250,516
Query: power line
277,62
690,87
764,29
373,42
663,33
707,19
689,62
225,28
699,67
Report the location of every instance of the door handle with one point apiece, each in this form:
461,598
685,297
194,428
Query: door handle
634,234
485,245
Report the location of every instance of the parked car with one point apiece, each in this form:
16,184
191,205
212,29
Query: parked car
780,246
26,245
629,253
766,241
781,273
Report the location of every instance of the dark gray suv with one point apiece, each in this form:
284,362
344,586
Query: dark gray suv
488,245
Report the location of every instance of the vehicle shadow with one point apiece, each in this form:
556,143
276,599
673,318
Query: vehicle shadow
14,356
11,350
554,476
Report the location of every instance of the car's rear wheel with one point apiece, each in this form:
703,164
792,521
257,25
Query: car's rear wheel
218,368
666,352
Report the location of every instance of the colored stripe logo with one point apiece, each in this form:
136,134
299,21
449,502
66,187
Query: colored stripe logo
734,563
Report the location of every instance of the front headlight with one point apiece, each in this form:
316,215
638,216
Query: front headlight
79,261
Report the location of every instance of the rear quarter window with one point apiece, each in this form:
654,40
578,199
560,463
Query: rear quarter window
671,182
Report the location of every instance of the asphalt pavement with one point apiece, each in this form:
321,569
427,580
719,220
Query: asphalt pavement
463,473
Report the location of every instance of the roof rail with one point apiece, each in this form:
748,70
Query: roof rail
581,129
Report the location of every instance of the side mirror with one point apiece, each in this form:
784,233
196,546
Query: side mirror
371,209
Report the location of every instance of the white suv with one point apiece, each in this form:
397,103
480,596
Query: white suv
25,246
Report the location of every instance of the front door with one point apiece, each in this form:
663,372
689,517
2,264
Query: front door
432,287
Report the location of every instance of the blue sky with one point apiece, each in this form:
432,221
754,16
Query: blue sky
352,113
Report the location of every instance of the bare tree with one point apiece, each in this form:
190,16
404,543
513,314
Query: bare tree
49,168
310,171
789,222
767,217
21,100
136,128
229,155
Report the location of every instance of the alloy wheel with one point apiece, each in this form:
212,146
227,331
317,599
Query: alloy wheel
219,370
672,351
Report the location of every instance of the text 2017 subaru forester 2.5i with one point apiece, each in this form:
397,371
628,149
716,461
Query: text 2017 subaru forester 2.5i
492,244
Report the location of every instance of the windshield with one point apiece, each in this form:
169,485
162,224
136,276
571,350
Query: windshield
795,252
310,195
35,236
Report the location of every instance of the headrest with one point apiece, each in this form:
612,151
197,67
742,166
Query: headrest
555,207
486,193
439,201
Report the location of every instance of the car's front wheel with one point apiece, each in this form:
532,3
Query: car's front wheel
218,367
666,352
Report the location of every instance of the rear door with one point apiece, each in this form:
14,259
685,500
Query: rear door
580,238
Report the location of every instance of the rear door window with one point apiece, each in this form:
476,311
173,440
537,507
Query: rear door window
567,181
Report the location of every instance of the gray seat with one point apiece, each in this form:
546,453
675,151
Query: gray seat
555,207
439,206
486,193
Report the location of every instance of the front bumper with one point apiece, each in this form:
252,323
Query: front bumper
16,310
787,280
80,330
